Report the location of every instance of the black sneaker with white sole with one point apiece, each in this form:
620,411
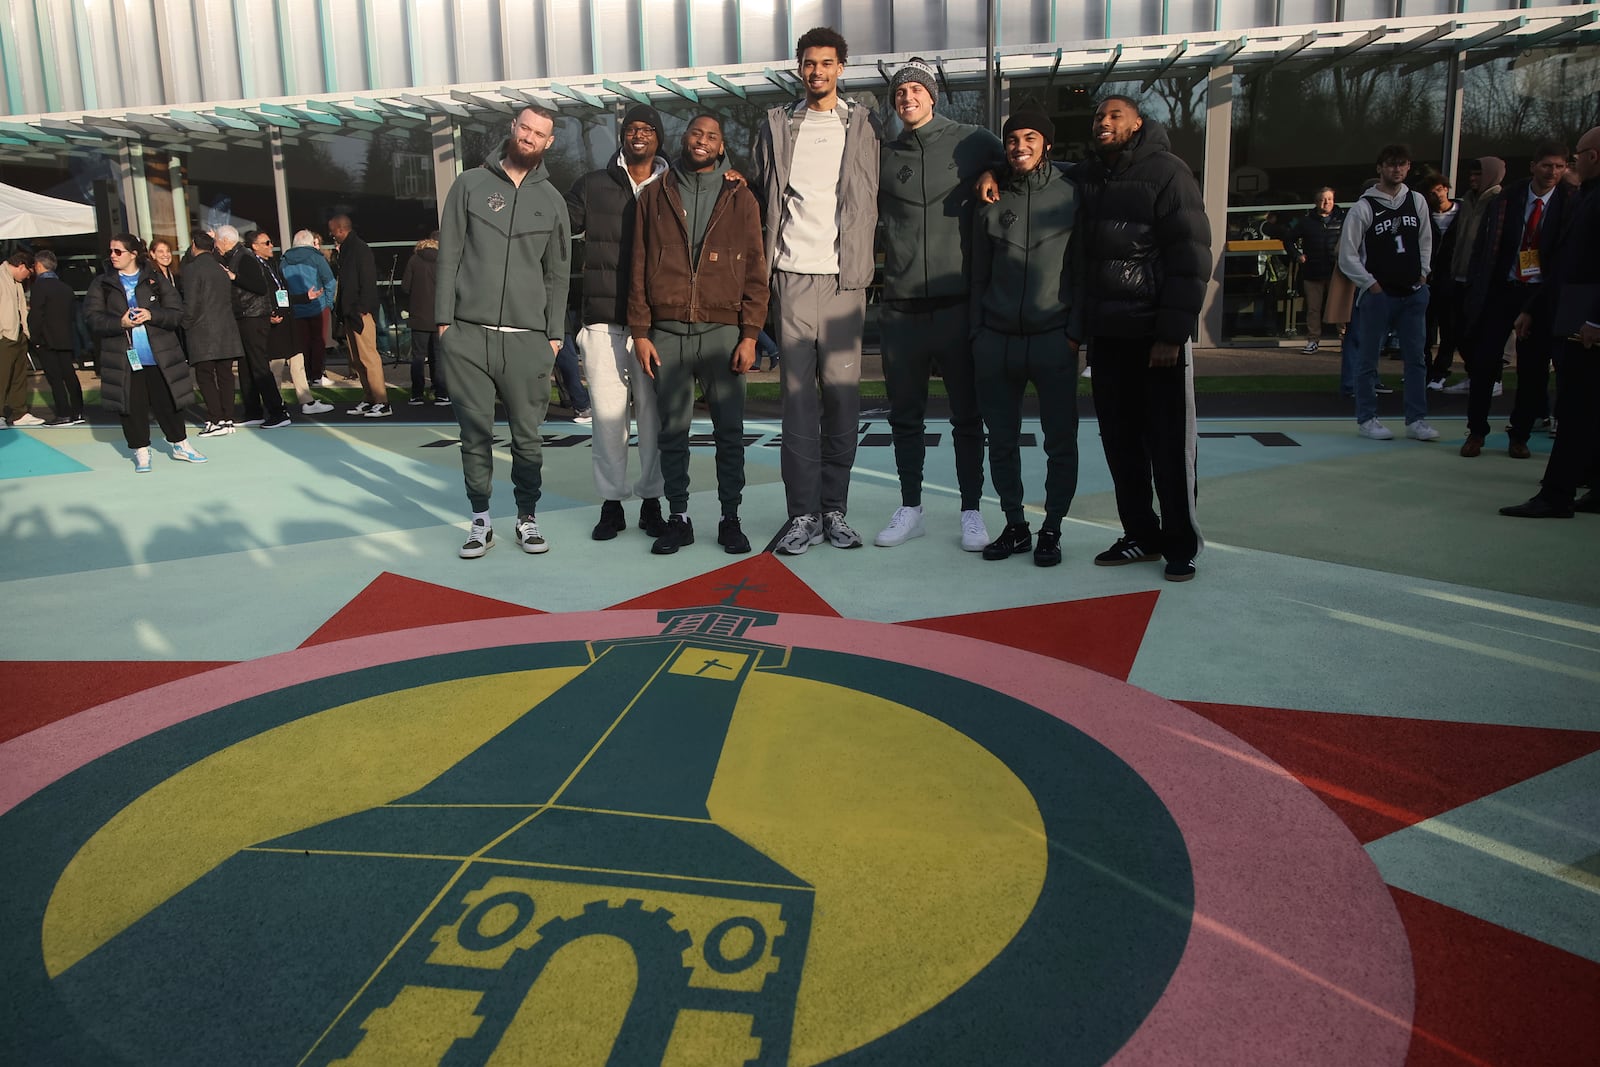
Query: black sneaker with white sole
1180,570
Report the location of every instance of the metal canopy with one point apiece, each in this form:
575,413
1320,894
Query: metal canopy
1417,41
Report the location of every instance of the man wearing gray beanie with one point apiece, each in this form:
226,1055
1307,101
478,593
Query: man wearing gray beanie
925,203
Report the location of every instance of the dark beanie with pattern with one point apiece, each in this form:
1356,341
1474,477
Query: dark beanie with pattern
916,69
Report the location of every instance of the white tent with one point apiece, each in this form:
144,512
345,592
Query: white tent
24,214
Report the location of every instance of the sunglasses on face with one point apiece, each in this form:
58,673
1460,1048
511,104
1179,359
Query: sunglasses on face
116,251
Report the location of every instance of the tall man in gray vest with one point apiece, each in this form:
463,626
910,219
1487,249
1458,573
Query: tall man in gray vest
925,201
815,175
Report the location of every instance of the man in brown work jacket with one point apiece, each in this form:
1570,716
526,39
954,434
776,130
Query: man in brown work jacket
697,301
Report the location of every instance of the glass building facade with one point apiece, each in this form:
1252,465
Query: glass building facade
1265,111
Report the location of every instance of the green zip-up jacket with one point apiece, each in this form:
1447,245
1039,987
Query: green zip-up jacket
925,201
504,251
1025,278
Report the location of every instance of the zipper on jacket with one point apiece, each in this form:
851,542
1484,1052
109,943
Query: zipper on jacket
1027,257
506,273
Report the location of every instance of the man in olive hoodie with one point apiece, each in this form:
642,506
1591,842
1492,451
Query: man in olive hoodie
696,302
504,250
925,203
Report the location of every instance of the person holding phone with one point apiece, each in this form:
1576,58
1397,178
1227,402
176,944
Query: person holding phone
134,314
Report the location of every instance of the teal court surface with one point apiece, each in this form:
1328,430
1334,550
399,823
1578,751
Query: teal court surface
283,780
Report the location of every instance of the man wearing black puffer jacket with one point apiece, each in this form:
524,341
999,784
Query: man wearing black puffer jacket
1147,247
602,205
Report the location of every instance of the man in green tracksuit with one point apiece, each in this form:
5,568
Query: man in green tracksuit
696,302
504,246
1027,326
925,204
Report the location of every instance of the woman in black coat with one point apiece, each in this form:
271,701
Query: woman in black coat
134,313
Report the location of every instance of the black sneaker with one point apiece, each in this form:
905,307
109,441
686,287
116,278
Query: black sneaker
612,521
275,422
731,537
1125,550
650,517
1382,390
1047,550
679,532
1180,570
1016,537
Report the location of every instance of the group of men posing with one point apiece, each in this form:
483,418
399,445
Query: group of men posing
998,267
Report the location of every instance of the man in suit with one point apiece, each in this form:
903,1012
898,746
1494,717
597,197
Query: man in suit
1574,288
52,316
1504,285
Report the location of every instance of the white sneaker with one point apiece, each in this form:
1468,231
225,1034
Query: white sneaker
184,451
840,534
803,532
322,381
904,524
27,418
974,534
1461,388
1420,431
360,409
316,407
141,461
1437,385
528,535
1311,346
378,411
479,540
1499,389
1376,430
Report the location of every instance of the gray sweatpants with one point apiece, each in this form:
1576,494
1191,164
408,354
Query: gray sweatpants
481,364
819,334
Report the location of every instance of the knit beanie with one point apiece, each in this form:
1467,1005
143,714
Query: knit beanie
916,69
1028,119
649,116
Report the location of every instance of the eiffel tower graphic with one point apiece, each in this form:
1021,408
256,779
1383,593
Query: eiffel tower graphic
587,849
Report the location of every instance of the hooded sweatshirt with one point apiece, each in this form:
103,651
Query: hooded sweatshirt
504,251
1493,172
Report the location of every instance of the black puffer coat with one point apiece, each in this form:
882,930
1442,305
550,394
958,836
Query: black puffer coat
601,207
1316,236
209,328
103,307
1147,241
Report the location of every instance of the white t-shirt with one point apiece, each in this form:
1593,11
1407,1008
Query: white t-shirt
808,238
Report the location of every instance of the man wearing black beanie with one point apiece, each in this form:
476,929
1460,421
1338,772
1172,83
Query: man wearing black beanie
601,205
925,204
1026,326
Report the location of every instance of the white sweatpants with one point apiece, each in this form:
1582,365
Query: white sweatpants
614,379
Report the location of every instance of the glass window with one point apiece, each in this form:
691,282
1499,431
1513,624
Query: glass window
1293,133
83,176
1511,106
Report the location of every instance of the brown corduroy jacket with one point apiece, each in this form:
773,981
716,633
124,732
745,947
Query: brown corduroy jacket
729,283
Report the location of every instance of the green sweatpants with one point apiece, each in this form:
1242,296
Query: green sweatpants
705,356
481,364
